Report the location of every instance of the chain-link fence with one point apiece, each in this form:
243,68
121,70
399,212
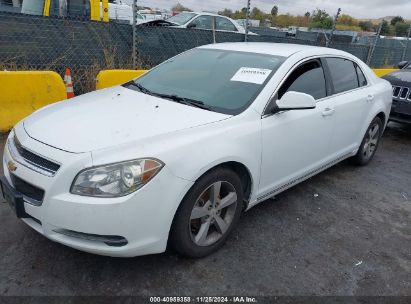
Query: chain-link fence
37,42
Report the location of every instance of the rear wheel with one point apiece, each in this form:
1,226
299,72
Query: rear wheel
369,143
207,214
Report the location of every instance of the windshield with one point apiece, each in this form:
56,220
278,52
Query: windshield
181,18
223,81
408,66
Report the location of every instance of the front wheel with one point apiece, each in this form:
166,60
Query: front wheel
207,214
369,143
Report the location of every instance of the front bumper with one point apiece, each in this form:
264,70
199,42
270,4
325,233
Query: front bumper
143,219
400,118
401,111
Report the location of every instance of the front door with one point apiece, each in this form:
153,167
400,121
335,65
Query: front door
296,142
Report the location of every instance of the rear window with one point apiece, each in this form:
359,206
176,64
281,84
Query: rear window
343,74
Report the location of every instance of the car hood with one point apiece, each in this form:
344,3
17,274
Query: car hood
399,78
111,117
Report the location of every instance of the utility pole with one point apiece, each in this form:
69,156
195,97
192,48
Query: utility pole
334,27
247,19
404,53
372,48
214,29
135,10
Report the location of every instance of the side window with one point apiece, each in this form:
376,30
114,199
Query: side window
307,78
203,22
223,24
343,74
362,81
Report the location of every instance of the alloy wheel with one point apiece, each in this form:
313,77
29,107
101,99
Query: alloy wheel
371,141
213,213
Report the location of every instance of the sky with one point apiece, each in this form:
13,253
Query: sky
366,9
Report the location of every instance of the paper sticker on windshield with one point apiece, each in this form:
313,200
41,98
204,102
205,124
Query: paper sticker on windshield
251,75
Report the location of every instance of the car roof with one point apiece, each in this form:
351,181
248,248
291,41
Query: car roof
208,14
276,49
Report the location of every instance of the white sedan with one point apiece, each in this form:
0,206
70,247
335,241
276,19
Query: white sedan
175,156
204,21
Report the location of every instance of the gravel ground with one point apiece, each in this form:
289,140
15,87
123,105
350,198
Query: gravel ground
344,232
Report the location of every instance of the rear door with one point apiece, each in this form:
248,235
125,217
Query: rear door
351,100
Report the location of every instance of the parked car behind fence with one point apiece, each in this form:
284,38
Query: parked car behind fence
401,88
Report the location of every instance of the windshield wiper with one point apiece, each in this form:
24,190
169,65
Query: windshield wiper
186,101
139,87
182,100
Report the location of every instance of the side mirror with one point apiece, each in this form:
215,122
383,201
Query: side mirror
296,101
402,64
191,25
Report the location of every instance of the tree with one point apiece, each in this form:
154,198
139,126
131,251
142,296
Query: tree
227,12
180,8
319,15
321,19
284,20
385,28
302,21
347,20
258,14
366,26
274,11
396,20
240,14
307,15
401,29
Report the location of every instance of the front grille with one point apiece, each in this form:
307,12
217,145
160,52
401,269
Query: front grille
34,159
27,189
404,93
401,92
396,91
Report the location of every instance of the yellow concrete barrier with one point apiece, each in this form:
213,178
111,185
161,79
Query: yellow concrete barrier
110,78
382,72
22,93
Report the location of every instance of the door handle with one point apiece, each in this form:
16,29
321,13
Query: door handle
328,112
370,98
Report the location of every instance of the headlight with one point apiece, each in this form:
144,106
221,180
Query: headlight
116,179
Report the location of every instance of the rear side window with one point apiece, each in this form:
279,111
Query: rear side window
224,24
308,78
362,81
203,22
343,74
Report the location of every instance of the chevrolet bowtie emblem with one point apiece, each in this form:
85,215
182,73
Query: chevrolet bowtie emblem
12,166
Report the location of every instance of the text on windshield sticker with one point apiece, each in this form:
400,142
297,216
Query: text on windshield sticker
251,75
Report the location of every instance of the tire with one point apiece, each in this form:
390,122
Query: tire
369,144
197,229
